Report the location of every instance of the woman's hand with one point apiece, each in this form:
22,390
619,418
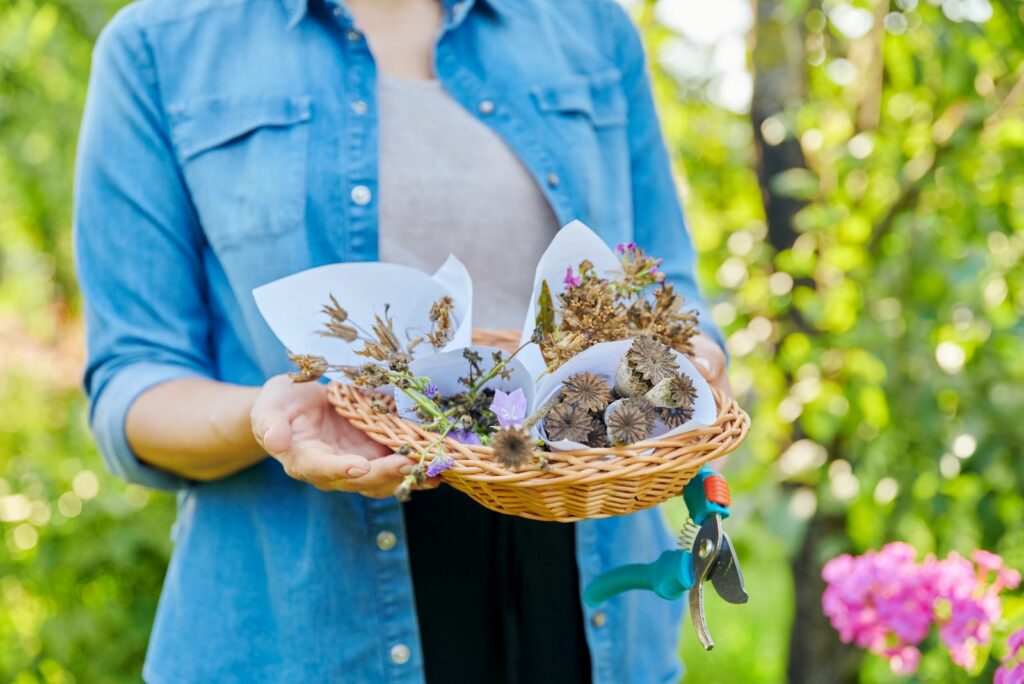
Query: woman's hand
296,425
710,361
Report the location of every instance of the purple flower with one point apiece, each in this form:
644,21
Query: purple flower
1015,644
431,391
440,463
622,248
465,437
509,408
571,279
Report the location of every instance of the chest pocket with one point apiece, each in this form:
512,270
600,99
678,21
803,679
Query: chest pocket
595,98
586,116
244,160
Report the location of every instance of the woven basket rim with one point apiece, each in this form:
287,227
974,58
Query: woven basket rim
582,466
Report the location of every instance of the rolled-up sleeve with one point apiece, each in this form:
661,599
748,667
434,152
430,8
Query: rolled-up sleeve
138,249
658,222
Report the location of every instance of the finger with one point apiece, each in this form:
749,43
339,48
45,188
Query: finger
384,473
319,464
709,358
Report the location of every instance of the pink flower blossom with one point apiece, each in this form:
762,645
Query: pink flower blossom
886,602
571,279
1015,644
1011,669
1009,674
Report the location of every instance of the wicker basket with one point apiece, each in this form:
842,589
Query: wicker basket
588,483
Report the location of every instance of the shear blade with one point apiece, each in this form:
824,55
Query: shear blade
700,622
726,575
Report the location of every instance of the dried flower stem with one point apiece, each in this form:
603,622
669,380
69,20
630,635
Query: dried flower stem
498,367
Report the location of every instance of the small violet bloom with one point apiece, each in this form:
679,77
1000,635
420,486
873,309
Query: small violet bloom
431,391
628,247
467,437
571,279
440,463
509,408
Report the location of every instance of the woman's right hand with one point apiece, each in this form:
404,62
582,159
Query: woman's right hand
296,424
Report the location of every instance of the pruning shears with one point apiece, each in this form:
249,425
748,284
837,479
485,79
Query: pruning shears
706,554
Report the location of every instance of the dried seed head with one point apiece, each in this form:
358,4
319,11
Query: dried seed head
366,375
512,447
651,360
569,421
443,323
403,492
629,421
309,367
589,391
673,418
675,392
597,438
337,322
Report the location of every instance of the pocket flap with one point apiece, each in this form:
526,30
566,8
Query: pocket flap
597,96
204,123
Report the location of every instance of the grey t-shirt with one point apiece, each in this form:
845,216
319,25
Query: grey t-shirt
449,184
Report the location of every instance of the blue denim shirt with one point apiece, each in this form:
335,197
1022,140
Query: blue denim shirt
227,143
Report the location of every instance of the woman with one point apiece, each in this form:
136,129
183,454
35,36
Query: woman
227,144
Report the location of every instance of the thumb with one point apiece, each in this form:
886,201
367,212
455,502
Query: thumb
273,430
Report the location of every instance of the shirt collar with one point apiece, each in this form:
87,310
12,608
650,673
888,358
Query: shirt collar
455,11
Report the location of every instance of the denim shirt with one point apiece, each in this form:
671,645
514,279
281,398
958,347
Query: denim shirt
228,143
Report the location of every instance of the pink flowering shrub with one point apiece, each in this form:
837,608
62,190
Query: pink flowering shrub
1011,669
886,602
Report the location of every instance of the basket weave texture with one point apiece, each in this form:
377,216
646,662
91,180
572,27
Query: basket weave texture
574,485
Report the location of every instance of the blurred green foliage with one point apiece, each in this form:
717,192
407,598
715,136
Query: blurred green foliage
880,353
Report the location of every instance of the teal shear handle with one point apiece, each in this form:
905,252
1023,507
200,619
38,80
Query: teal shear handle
672,574
669,577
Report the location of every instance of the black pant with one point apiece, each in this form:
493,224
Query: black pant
497,597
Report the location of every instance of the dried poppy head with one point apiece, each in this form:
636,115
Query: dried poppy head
512,447
651,360
568,421
675,392
645,364
629,421
589,391
674,417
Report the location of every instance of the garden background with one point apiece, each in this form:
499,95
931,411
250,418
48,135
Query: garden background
853,173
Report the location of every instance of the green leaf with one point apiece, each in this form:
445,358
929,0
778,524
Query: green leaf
545,310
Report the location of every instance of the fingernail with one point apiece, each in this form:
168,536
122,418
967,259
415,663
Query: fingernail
704,363
405,470
356,471
266,433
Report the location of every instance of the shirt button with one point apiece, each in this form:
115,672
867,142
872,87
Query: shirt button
353,36
399,654
386,540
361,195
338,11
486,107
360,107
599,619
553,180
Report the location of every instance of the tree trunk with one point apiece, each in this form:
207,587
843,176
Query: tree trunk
816,656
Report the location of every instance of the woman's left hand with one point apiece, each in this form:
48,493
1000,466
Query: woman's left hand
710,361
